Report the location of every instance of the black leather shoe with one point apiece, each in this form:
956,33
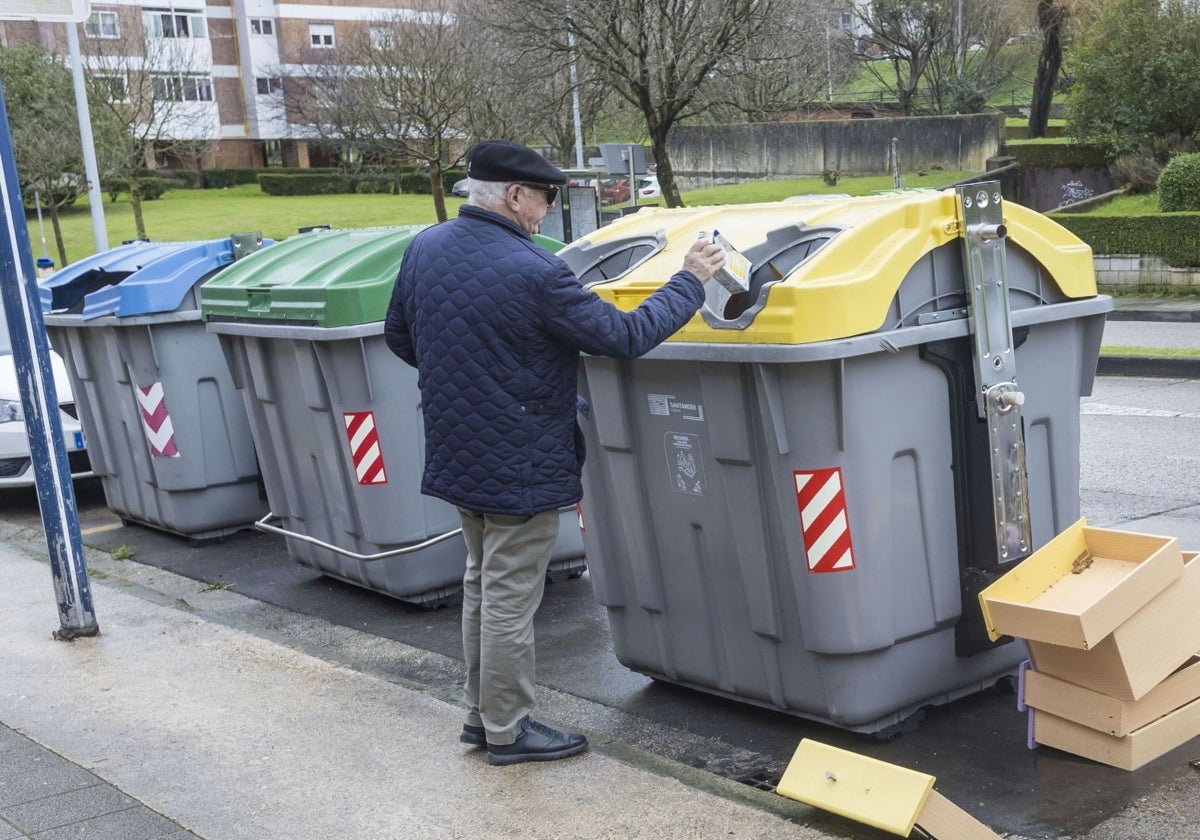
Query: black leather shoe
536,742
473,735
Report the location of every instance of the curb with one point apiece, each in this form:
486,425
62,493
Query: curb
1184,316
1164,366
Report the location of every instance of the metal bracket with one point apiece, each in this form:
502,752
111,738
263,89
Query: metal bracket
998,399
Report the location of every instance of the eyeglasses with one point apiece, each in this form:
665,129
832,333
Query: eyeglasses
551,193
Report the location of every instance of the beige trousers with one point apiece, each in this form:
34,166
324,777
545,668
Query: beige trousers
507,558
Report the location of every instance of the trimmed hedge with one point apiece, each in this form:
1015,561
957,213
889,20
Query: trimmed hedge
219,179
1042,153
1179,184
1174,237
415,183
278,184
450,177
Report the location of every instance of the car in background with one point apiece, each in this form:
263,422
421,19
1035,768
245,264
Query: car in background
460,188
648,187
16,465
614,190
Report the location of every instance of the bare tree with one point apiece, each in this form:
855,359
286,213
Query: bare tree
154,94
786,71
904,35
660,56
404,87
977,60
38,92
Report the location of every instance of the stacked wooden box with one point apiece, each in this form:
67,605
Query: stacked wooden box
1112,622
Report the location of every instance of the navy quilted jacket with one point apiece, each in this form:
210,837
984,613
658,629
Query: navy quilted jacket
494,325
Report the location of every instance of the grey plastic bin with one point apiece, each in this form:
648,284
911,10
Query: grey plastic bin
793,502
337,416
166,430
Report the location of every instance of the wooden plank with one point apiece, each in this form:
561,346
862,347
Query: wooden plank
1143,651
941,819
1110,714
1080,586
856,786
1128,752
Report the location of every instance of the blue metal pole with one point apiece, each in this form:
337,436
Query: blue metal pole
35,377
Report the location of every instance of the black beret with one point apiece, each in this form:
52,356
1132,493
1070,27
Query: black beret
504,160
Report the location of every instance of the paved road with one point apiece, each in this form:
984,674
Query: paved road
1134,475
1152,334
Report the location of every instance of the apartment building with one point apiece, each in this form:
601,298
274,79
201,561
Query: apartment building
222,66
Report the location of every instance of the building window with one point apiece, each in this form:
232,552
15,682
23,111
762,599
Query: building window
321,35
846,21
172,23
267,85
189,87
114,88
262,26
382,37
101,25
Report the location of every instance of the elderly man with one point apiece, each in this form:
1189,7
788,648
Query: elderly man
495,325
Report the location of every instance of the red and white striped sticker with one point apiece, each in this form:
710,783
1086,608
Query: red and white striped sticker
822,501
156,423
364,447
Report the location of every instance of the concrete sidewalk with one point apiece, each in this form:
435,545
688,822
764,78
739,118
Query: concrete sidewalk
173,723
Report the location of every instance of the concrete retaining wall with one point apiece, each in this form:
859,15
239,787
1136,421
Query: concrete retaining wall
1133,272
706,155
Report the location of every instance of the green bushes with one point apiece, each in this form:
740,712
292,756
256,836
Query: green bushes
415,183
280,184
1054,153
1175,238
150,188
219,179
1179,184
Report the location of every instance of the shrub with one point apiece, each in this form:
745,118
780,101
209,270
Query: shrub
378,184
217,179
415,183
1138,169
1179,184
280,184
450,177
1175,238
151,189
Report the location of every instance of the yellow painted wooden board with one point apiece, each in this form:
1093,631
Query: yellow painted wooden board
855,786
1044,599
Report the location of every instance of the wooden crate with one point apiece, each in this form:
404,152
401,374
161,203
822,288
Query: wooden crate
1080,586
1128,752
1108,714
1142,651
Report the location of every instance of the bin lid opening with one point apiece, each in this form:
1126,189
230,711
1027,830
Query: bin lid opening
602,262
784,249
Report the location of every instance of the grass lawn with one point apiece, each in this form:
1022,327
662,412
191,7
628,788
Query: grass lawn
183,215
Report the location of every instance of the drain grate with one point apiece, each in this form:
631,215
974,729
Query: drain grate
762,780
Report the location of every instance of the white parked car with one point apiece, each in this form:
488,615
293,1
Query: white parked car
16,467
648,187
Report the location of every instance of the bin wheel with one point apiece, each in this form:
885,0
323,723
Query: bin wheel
909,724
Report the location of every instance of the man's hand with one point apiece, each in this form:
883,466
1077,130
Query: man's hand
704,259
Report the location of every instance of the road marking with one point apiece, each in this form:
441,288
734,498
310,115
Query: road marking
98,528
1131,411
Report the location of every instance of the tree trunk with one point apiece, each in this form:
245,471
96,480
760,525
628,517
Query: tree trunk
58,237
437,188
135,203
664,171
1050,20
